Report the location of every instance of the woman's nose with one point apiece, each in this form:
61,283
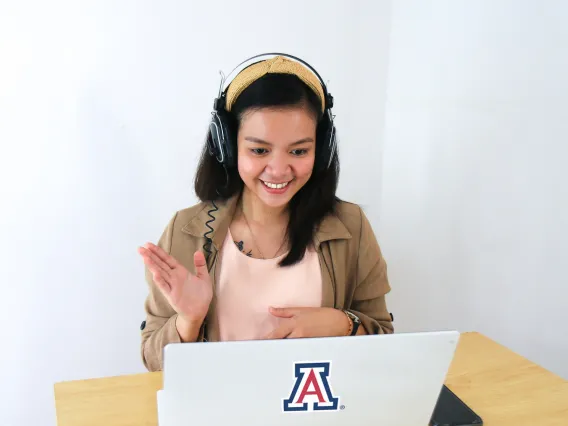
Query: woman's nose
279,165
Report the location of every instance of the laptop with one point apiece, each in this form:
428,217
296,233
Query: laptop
392,379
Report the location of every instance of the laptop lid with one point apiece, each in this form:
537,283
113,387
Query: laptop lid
364,380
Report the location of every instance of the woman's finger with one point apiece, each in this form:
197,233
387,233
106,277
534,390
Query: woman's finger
280,332
150,261
162,284
200,265
165,257
285,312
158,275
158,262
295,334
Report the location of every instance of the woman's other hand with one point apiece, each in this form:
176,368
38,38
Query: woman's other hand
310,322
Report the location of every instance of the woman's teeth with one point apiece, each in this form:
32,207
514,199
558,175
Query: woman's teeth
275,185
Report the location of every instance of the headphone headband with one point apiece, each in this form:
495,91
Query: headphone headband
226,81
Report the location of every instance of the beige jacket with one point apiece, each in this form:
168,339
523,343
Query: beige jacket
354,273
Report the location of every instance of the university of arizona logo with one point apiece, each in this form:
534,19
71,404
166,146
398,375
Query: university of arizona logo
312,391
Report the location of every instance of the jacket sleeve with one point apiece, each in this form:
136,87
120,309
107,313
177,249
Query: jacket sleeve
369,302
160,325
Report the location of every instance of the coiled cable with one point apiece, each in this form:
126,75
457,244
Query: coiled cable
208,241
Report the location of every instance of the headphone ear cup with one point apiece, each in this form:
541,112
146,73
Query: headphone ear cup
326,136
220,141
230,142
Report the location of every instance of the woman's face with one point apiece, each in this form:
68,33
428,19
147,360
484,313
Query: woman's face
276,152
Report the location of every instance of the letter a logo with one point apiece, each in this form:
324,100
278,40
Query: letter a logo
311,391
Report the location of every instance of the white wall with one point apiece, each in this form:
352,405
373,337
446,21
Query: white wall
103,109
474,217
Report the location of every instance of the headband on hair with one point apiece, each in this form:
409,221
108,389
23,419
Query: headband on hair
276,65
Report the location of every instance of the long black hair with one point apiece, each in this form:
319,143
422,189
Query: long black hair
315,199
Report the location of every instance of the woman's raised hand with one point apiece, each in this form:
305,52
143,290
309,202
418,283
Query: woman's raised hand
189,295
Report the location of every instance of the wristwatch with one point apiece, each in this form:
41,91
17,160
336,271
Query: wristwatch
356,322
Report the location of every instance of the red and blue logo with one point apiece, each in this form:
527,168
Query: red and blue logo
312,391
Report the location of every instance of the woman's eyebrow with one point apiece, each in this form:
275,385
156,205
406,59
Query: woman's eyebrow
263,142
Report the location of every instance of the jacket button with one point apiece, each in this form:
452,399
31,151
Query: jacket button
143,325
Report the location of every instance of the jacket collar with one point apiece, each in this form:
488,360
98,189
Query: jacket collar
331,227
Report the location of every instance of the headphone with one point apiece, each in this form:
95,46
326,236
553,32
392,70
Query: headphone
222,142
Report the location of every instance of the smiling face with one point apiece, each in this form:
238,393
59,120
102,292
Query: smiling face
276,152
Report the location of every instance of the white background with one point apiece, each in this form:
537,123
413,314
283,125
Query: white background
453,137
474,207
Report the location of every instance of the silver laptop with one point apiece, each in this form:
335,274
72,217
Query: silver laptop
373,380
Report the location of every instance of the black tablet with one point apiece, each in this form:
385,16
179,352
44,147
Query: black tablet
452,411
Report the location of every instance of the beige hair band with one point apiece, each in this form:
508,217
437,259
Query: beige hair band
276,65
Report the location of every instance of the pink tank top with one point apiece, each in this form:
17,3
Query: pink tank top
246,287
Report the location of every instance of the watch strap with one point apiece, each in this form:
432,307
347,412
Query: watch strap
354,323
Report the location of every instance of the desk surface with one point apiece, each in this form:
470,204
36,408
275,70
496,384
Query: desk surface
504,388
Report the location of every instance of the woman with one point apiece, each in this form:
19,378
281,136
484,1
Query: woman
285,257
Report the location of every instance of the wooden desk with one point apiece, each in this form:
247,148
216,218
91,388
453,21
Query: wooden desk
504,388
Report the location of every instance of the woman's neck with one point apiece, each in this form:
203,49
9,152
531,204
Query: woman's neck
258,212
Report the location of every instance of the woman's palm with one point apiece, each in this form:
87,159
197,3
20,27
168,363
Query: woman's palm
189,295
